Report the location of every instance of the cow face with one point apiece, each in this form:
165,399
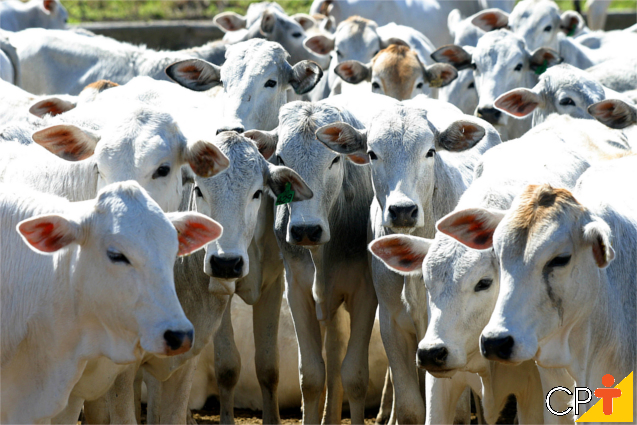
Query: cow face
402,146
144,145
51,14
563,89
461,92
256,77
236,199
124,266
355,39
500,63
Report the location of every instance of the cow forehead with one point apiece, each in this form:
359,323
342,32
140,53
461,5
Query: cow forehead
539,211
256,55
567,77
498,47
398,67
401,130
533,11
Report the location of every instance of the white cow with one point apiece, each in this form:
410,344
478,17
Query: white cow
419,172
427,16
269,20
462,284
84,280
53,61
17,16
579,250
9,63
562,89
323,245
398,72
500,62
617,74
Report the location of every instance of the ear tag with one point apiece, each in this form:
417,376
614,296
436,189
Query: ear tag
286,196
542,68
435,83
571,33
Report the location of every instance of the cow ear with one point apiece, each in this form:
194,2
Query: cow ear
268,22
194,231
518,102
491,19
229,21
305,76
205,159
305,21
460,136
571,22
543,58
343,138
597,233
473,227
440,74
49,6
195,74
614,113
52,106
320,44
48,233
453,19
354,72
278,177
453,55
67,141
401,253
265,140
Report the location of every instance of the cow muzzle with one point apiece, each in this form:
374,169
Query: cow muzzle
226,267
489,114
404,215
177,342
306,235
497,348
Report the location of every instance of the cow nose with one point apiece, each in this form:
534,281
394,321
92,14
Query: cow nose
226,267
432,358
311,234
178,341
499,348
490,115
403,215
236,129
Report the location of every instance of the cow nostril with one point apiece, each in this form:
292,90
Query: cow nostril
296,233
414,213
174,339
226,267
497,348
432,357
392,212
314,233
403,215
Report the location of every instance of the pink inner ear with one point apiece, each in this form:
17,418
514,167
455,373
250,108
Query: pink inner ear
470,231
599,252
206,160
195,234
43,236
317,45
516,104
360,159
398,254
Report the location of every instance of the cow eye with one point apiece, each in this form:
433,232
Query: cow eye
420,85
471,85
548,28
257,194
117,257
375,85
430,153
518,67
279,160
162,171
567,101
297,34
372,155
559,261
483,285
270,83
338,53
335,161
198,192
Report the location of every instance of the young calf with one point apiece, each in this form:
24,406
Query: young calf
568,275
419,170
84,280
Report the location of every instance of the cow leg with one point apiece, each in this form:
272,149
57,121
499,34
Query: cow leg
336,331
175,392
96,411
443,395
355,370
137,394
300,277
153,405
265,319
71,412
227,365
121,398
386,401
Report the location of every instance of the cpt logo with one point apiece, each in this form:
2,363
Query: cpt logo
615,404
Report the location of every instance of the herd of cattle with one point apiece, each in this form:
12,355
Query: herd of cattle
350,160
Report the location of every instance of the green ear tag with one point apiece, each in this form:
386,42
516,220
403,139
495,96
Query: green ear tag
286,196
571,33
542,68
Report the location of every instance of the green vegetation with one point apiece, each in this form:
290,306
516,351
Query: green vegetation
146,10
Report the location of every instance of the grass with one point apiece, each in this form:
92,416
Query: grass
146,10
